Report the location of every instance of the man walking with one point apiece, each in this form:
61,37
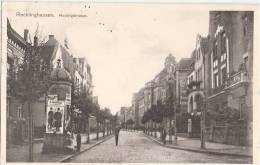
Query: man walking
117,129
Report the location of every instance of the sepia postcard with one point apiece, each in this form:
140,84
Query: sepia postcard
96,82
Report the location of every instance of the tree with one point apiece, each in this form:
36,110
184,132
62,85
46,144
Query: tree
31,81
130,122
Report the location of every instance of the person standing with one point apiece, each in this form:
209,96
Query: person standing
117,130
164,134
78,139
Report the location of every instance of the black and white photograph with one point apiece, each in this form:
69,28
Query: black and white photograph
129,83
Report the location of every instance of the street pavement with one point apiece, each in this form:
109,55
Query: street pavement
195,145
20,153
135,147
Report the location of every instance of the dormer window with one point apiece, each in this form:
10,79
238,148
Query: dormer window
59,63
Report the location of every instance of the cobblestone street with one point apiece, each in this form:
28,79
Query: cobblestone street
134,147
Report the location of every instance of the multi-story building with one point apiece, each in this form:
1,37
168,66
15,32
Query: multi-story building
154,90
82,76
148,95
122,115
78,76
135,109
228,77
180,73
129,114
195,82
85,71
16,116
141,107
53,53
159,90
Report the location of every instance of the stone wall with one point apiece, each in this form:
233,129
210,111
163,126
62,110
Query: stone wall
231,134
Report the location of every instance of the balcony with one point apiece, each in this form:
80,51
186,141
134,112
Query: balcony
194,86
237,78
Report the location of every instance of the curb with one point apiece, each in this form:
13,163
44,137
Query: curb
68,158
197,150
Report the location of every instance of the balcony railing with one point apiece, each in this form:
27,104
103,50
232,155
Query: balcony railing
237,78
194,86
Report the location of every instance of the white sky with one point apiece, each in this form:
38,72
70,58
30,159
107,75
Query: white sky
133,53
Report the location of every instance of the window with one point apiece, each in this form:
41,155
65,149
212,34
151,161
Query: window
223,43
200,74
216,79
215,63
245,28
19,111
223,57
242,107
215,50
10,65
223,75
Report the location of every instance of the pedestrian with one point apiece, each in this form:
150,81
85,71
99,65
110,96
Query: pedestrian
117,129
78,139
164,134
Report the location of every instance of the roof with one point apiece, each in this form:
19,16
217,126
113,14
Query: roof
82,59
60,74
204,45
184,64
49,50
12,33
67,60
162,76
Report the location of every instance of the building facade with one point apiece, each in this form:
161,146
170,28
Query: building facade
180,74
195,86
228,78
155,90
141,106
15,113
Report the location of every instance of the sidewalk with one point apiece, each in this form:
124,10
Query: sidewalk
191,144
20,153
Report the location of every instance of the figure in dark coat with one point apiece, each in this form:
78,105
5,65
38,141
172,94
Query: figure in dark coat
58,118
164,134
117,130
50,119
78,139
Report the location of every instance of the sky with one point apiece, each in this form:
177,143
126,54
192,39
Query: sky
125,44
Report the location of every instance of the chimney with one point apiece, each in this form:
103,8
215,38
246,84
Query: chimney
51,36
25,34
35,41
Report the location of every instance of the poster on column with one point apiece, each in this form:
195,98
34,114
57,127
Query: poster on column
55,116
